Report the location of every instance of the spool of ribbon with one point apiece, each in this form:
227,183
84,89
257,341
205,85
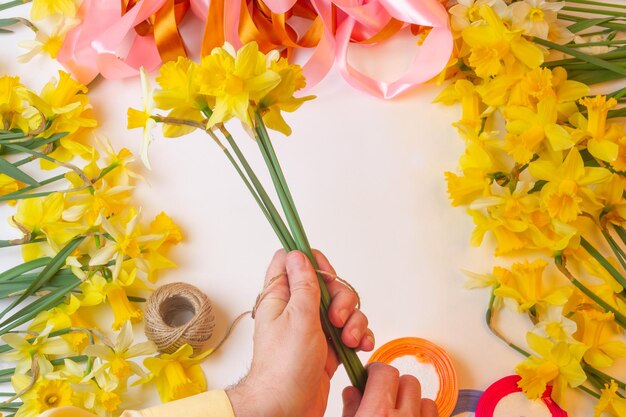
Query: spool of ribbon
164,317
425,352
488,402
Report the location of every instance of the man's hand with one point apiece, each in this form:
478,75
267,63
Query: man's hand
292,363
387,394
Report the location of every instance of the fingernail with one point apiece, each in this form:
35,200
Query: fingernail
370,340
295,260
343,316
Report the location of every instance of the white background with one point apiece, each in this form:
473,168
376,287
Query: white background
367,178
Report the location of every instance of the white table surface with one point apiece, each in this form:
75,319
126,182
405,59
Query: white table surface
367,178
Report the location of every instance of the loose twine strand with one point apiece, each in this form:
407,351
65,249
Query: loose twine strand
169,302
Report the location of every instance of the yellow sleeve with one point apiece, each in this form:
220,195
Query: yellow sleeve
207,404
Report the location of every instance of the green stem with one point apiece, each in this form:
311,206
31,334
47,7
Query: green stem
604,43
19,242
598,3
620,319
588,391
584,57
354,367
489,318
609,25
262,198
594,11
602,260
590,369
619,253
13,3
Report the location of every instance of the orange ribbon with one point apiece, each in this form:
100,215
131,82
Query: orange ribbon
164,26
273,30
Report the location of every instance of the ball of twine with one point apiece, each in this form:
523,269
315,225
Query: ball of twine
164,310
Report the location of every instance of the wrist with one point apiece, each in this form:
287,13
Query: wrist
249,399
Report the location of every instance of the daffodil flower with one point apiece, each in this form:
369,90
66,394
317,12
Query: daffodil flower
25,351
177,375
556,363
46,394
143,118
116,356
610,402
235,80
44,8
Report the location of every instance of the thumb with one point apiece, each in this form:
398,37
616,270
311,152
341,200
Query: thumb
351,400
303,285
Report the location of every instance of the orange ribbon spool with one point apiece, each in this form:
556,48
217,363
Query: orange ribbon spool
425,352
164,25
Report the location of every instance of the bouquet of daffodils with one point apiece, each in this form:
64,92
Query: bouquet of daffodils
254,88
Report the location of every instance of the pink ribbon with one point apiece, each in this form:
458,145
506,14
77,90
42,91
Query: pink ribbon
430,58
96,45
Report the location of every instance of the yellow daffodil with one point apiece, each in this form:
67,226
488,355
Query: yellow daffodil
524,283
465,188
180,94
56,318
528,129
120,164
44,8
508,240
596,126
9,185
534,17
25,351
122,309
281,97
563,195
554,325
47,44
556,363
46,394
466,12
598,331
177,375
11,103
610,402
143,118
103,199
101,394
492,43
235,81
116,356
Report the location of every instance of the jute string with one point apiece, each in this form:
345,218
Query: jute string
169,302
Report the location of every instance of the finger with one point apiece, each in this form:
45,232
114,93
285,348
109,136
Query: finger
344,300
428,408
275,295
303,285
409,395
355,329
351,400
381,389
368,342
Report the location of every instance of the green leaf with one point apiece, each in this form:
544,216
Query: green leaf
617,113
12,171
8,135
31,310
5,31
18,270
587,23
8,22
603,261
601,63
46,274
